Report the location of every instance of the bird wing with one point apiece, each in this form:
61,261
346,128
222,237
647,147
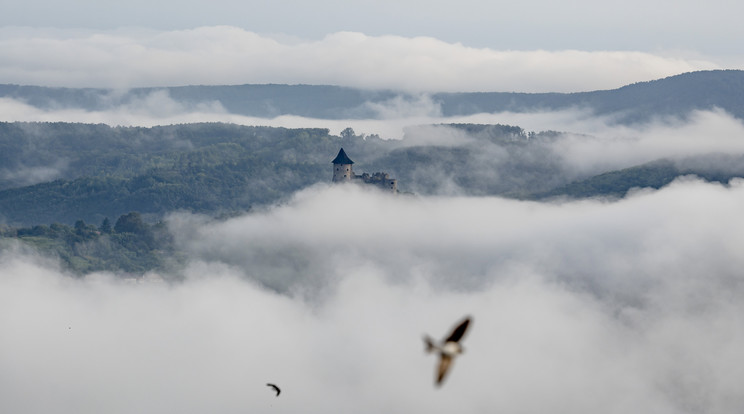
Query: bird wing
278,391
444,363
457,334
430,346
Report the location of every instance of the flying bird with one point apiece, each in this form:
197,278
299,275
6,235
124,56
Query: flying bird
448,349
278,391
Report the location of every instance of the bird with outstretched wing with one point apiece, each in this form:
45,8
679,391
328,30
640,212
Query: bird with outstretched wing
448,349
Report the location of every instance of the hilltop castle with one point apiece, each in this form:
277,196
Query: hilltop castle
342,172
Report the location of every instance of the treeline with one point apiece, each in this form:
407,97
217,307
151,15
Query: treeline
721,168
674,96
75,174
265,101
129,245
59,172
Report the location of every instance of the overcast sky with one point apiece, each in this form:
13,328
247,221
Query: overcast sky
710,27
530,46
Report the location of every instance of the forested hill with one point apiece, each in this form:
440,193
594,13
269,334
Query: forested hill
264,101
62,173
95,195
672,96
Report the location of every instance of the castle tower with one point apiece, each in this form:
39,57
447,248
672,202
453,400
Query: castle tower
342,167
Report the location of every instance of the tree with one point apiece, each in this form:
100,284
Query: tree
348,133
131,223
105,226
80,226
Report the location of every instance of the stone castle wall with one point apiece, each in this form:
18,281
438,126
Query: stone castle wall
381,180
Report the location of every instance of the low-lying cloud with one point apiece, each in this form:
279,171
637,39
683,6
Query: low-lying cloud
29,175
585,144
613,147
579,307
229,55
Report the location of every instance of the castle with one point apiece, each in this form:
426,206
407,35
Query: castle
342,172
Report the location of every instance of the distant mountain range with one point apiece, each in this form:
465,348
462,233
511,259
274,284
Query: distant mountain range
672,96
64,172
85,193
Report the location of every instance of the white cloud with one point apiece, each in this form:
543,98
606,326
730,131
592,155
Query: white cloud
614,147
589,145
229,55
418,106
586,25
22,175
156,108
583,307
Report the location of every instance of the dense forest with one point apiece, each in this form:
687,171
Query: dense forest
65,172
129,245
62,184
56,172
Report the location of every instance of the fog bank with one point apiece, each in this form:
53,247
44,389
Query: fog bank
228,55
578,307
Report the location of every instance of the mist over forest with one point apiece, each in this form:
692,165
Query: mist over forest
586,305
167,265
639,102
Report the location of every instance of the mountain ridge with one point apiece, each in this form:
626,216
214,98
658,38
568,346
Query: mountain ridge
675,95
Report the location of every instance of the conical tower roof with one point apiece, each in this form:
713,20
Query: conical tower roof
342,158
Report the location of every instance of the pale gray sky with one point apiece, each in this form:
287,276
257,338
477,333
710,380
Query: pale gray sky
536,45
711,27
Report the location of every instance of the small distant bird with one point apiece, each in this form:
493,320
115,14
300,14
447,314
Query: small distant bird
278,391
448,350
